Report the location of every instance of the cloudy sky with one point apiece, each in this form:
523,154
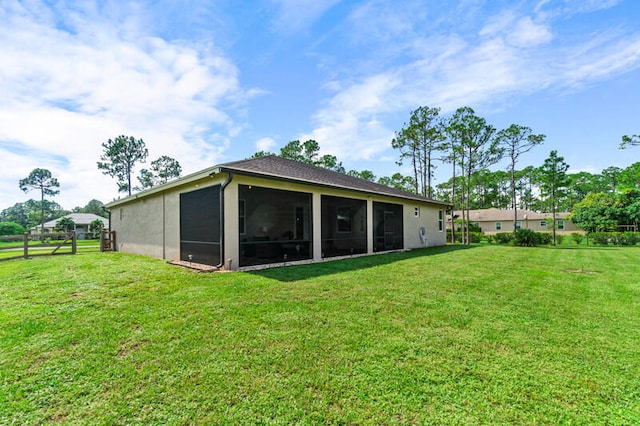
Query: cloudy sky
211,81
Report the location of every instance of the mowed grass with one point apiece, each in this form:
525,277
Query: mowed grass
481,335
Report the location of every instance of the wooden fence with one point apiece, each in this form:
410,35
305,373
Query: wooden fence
39,245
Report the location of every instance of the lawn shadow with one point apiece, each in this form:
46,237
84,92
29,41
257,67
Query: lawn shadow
329,266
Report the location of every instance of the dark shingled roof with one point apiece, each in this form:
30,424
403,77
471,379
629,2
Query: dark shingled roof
296,171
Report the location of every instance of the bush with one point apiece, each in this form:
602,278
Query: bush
600,238
525,238
577,237
503,237
11,228
630,238
544,237
559,239
475,237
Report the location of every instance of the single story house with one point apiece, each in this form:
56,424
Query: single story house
272,210
493,221
81,221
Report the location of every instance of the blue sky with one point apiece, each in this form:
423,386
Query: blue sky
208,82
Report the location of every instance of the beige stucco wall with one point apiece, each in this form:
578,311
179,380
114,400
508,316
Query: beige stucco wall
151,225
489,227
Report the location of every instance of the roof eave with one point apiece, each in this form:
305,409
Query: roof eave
211,171
326,185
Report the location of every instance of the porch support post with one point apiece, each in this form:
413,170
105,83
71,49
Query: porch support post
316,206
369,225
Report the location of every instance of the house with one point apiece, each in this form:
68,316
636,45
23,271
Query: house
81,221
272,210
492,221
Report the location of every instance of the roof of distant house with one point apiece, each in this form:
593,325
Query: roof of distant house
78,219
493,214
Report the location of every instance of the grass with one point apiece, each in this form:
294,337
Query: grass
489,334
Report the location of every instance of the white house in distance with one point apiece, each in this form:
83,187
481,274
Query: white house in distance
270,210
81,220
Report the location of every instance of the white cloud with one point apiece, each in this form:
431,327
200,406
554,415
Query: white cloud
71,79
298,15
265,144
526,33
511,53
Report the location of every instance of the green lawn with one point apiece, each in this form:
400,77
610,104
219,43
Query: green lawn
481,335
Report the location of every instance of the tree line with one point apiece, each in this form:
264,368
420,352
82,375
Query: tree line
118,160
471,146
463,140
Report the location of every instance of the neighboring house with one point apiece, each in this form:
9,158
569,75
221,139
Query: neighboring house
272,210
81,220
492,221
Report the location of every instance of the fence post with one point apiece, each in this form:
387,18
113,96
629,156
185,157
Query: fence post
73,242
26,245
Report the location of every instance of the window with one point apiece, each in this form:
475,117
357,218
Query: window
518,224
440,220
543,224
242,216
122,213
344,219
416,211
498,226
560,224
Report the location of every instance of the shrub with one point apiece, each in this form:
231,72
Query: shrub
577,237
503,237
544,237
559,239
525,238
476,237
600,238
630,238
11,228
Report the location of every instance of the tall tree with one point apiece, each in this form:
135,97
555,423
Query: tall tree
597,212
119,158
451,148
365,174
94,206
398,181
418,141
478,149
308,152
162,170
553,183
629,177
610,175
629,141
43,181
517,140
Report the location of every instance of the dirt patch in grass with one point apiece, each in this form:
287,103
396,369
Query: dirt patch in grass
582,271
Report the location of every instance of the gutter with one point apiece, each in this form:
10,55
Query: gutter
222,187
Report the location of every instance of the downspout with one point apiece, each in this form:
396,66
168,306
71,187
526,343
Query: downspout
224,185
